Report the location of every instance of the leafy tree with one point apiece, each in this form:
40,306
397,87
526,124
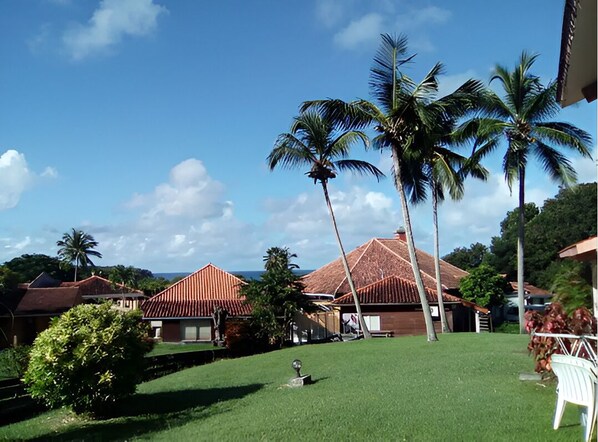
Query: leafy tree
76,247
126,276
9,280
504,247
29,267
89,359
277,297
316,142
153,286
484,286
467,258
522,118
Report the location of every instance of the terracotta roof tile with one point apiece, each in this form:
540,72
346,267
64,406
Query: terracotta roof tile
375,260
396,290
48,300
96,285
196,295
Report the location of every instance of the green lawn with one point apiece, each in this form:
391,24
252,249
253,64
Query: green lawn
464,387
163,348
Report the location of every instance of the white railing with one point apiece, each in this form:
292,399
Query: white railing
582,346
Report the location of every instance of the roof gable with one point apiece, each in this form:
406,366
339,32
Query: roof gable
48,300
375,260
196,295
96,285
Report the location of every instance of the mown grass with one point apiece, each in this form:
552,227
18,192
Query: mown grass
164,348
464,387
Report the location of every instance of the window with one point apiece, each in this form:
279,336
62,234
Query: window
372,322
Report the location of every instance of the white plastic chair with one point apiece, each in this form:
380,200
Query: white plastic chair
577,384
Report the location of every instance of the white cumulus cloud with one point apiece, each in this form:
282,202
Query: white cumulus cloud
15,178
363,30
110,22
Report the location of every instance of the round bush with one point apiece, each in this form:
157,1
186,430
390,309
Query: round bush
89,359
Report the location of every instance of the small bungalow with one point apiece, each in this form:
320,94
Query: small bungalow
391,307
183,312
382,273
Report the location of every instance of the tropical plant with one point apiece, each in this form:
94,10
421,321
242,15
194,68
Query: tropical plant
406,115
468,257
571,287
76,247
522,118
29,267
318,142
444,169
555,320
124,275
276,297
89,359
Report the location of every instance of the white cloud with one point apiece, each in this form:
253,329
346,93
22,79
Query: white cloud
363,30
50,172
15,178
330,12
113,20
449,83
190,192
586,169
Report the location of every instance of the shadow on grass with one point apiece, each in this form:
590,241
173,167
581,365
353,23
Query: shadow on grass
147,413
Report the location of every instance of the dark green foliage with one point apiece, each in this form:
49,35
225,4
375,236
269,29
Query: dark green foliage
468,257
29,266
9,280
567,218
276,297
14,360
89,359
555,320
572,286
504,247
484,286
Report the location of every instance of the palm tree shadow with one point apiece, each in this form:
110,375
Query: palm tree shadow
146,413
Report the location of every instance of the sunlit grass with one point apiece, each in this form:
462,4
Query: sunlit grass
464,387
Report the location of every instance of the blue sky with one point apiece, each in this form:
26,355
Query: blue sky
146,123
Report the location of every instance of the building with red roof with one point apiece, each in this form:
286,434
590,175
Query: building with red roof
183,312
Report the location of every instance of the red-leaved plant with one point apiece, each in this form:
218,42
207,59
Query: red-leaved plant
556,321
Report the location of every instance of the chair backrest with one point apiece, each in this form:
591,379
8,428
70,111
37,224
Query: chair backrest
577,379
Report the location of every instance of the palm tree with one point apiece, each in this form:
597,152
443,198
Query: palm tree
405,116
317,142
522,118
76,247
445,169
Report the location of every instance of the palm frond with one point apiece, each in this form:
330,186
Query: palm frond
290,152
541,104
360,167
564,135
554,163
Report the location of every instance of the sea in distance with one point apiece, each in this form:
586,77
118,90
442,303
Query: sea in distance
247,274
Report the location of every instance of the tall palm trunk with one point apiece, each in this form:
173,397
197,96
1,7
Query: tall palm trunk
362,324
520,255
411,247
443,321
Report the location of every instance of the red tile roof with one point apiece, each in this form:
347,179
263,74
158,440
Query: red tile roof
375,260
395,290
196,295
529,289
96,285
48,300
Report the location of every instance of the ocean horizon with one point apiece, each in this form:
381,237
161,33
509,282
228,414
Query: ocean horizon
247,274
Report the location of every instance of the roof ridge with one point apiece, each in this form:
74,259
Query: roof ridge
409,260
367,245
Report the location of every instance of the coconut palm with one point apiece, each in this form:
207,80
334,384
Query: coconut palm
405,115
76,247
316,142
446,169
522,118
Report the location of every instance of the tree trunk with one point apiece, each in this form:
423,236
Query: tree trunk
76,268
364,328
520,255
413,257
443,321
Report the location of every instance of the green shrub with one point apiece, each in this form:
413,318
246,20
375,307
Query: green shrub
89,359
13,361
